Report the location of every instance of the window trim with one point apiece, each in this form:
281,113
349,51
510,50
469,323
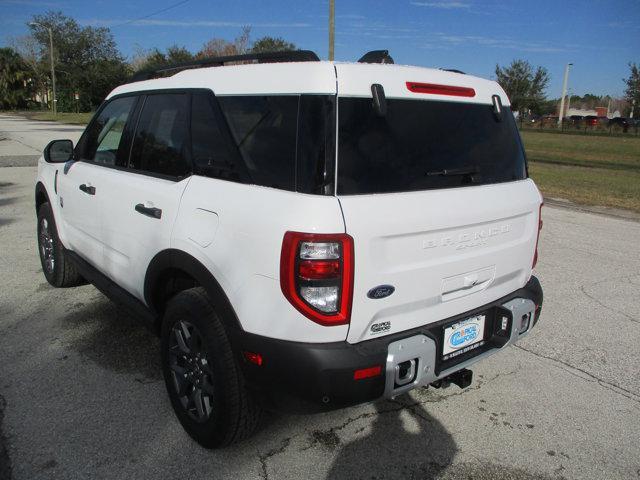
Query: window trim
134,117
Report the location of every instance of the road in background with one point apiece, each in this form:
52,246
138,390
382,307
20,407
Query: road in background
83,396
22,140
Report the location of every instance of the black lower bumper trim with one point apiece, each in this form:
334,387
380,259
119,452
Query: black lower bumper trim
311,377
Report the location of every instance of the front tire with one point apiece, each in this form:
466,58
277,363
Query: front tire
57,268
202,377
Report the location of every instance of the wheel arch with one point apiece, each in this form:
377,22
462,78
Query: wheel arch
41,195
171,262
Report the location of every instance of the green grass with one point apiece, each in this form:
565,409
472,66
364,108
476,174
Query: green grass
586,170
62,117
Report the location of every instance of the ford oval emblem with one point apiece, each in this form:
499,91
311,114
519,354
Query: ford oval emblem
381,291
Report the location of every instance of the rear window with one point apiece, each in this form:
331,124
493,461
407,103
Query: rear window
422,145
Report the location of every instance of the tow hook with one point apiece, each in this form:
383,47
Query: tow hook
461,378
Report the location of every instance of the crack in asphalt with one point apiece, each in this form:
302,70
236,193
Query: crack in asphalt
603,383
5,461
272,453
611,309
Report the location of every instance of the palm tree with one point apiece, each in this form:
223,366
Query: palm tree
14,80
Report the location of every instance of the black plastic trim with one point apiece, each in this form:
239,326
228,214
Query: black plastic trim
311,377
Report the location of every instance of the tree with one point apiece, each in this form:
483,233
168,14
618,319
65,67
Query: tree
272,44
154,59
524,86
14,80
30,51
632,92
87,60
219,47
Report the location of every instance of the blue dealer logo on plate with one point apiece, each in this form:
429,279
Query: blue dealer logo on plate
465,335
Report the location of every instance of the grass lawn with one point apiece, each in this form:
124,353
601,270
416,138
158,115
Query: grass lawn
74,118
588,170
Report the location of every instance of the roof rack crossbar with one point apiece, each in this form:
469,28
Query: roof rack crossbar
262,57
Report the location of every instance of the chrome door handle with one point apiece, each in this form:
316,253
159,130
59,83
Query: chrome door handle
88,189
149,211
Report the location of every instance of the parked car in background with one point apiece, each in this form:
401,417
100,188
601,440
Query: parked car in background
591,121
622,122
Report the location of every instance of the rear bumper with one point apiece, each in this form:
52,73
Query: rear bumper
312,377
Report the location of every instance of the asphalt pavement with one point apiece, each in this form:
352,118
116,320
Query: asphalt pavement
82,396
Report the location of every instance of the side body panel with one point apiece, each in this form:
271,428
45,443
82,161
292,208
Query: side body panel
236,231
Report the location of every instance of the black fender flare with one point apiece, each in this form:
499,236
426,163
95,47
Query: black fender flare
182,261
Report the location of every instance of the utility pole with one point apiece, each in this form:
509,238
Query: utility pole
564,93
332,27
53,70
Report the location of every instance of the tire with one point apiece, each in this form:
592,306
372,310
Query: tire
56,266
197,357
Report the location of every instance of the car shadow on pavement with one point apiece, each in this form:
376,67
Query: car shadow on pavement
403,442
114,339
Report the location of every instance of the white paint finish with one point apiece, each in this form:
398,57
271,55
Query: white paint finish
255,79
418,240
201,226
81,213
355,80
130,238
245,256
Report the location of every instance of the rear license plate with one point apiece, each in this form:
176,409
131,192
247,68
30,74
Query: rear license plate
463,336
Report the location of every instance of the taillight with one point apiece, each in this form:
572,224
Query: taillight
316,275
535,255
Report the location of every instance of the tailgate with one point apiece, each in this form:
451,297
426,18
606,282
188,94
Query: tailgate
444,251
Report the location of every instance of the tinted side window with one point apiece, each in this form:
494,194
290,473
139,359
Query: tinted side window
161,142
210,149
264,129
103,141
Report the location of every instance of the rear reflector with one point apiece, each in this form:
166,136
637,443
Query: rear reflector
253,357
435,89
367,372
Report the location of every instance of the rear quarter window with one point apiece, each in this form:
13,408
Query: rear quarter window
419,144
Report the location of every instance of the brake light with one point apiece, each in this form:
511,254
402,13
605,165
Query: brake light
436,89
367,372
316,275
535,255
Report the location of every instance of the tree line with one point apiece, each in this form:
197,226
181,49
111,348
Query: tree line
88,64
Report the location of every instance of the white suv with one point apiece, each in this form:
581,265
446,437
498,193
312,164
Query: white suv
304,235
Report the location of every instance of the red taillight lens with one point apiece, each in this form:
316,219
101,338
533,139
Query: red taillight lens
535,255
319,269
316,275
435,89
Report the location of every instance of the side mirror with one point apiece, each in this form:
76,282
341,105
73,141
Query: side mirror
59,151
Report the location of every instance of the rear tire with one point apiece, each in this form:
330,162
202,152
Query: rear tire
56,266
203,380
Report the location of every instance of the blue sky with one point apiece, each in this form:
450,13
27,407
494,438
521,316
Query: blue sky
600,37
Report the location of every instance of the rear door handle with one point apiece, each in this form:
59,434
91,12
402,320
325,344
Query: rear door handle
152,212
88,189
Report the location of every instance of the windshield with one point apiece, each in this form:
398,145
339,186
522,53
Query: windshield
421,145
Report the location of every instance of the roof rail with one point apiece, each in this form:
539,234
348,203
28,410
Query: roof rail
452,70
262,57
376,56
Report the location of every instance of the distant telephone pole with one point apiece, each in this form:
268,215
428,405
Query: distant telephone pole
564,93
332,27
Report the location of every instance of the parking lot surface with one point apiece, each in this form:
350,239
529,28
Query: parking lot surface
81,393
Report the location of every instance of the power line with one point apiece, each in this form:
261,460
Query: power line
151,14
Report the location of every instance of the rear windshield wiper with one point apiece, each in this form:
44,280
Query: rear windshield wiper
449,172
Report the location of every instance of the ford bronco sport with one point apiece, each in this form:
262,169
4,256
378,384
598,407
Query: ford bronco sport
304,235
